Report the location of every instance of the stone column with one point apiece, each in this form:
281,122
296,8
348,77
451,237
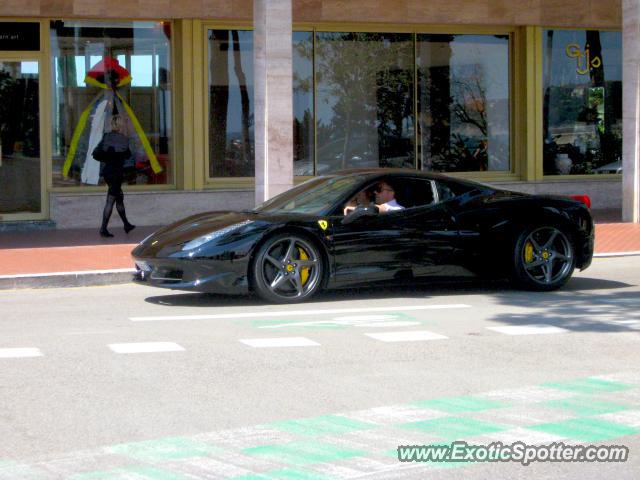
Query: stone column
631,111
273,97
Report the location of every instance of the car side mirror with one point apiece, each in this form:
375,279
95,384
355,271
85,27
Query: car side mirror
361,211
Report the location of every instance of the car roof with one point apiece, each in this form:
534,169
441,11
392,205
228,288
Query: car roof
372,173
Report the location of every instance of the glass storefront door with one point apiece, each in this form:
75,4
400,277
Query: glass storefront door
20,164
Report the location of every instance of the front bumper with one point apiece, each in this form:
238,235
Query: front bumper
209,276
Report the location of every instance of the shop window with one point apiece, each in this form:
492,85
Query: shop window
230,97
463,102
103,69
231,137
582,106
19,138
354,104
364,100
303,106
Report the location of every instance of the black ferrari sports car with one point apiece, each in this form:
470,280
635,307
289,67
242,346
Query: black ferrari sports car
332,232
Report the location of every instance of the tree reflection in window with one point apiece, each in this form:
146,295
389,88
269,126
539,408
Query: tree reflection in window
463,102
364,89
231,139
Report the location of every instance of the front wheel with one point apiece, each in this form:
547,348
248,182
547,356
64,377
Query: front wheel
287,269
544,258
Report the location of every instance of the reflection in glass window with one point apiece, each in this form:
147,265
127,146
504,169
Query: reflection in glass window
364,100
582,109
463,102
19,138
231,138
303,155
82,107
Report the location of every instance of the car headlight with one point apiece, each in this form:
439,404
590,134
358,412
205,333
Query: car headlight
196,242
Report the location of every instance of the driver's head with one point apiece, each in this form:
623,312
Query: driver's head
384,192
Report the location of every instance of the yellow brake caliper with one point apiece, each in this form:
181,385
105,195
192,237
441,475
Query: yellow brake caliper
528,252
304,272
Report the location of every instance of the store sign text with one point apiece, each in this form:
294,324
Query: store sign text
584,61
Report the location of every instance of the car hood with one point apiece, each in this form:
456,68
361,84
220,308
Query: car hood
195,226
171,238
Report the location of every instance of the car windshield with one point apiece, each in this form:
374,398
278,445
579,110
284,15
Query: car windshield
314,196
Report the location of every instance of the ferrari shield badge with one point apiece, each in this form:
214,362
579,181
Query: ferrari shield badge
323,224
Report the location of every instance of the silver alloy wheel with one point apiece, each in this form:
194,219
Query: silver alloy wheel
547,256
290,267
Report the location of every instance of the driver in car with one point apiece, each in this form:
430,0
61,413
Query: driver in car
386,198
363,197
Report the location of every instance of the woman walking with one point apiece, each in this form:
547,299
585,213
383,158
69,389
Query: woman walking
113,150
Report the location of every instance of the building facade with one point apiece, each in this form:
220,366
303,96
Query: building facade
230,102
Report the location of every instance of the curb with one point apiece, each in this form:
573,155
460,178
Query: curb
67,279
615,254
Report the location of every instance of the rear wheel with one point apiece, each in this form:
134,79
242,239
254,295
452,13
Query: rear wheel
287,269
544,258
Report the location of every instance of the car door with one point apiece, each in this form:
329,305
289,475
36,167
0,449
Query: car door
431,226
371,248
416,240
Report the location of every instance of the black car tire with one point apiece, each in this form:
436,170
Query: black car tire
287,268
543,258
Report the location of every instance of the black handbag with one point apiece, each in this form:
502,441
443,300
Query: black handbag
100,154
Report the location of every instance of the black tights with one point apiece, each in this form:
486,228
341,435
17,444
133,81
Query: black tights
118,200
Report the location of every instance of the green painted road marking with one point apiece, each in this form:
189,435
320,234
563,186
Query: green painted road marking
586,406
172,448
292,325
131,473
586,429
461,404
455,428
325,425
304,453
284,474
331,322
589,385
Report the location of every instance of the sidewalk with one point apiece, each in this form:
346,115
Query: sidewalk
66,258
59,258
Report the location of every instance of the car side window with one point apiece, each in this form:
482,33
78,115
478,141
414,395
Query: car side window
448,190
444,192
415,192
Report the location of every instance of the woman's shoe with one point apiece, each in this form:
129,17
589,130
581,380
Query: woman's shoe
105,233
128,228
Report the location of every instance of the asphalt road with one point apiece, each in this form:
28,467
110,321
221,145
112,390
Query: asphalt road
131,382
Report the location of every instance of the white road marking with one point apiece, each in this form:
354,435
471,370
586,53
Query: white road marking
530,437
527,394
409,336
279,342
388,324
528,329
20,352
99,332
360,318
247,437
146,347
77,272
623,377
630,418
307,313
395,414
